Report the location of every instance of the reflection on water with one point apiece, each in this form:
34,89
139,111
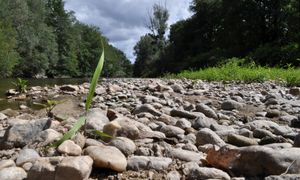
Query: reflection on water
6,84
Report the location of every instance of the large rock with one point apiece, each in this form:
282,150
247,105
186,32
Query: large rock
70,88
2,116
208,173
240,141
231,105
207,136
96,119
12,173
172,131
125,145
44,168
68,147
20,135
74,168
6,164
255,160
66,108
271,126
138,163
107,157
183,114
27,155
204,122
184,155
146,108
206,110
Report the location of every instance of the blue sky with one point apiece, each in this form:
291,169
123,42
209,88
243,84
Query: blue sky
124,21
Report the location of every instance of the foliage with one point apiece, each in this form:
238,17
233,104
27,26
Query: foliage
40,37
21,85
237,70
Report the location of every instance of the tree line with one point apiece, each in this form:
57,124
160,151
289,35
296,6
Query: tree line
262,31
41,38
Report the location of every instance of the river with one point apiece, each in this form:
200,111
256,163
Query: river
6,84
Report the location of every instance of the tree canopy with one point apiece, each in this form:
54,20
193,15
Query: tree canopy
40,37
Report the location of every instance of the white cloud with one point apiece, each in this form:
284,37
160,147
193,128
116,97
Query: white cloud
124,21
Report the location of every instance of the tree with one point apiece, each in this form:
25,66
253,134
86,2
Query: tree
151,46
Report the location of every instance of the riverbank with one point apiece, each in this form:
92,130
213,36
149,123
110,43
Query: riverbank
249,73
162,129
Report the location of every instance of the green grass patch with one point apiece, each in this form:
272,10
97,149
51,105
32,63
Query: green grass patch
236,70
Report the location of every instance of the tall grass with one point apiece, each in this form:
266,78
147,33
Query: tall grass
234,70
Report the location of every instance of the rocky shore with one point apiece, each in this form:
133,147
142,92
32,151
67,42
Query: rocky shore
162,129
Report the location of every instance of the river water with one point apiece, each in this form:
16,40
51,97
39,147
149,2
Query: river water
6,84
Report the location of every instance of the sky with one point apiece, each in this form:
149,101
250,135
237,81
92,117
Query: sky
123,22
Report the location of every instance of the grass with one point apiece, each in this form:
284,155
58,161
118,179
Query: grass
233,71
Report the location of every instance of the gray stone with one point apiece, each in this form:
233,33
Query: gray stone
273,113
184,155
271,126
70,88
125,145
207,173
44,169
27,155
2,116
231,105
172,131
12,173
177,88
297,141
138,163
48,136
183,114
146,108
183,123
107,157
92,142
68,147
240,141
6,164
284,177
204,122
96,119
173,175
75,168
206,110
20,135
207,136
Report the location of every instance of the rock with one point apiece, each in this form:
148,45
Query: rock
146,108
231,105
173,175
271,126
96,119
207,136
184,155
92,142
172,131
20,135
284,177
295,91
297,141
11,92
177,88
273,113
183,123
206,110
2,116
295,122
66,108
12,173
183,114
138,163
70,88
27,155
125,145
204,122
107,157
75,168
68,147
79,139
240,141
10,112
43,168
207,173
255,160
6,164
113,127
48,136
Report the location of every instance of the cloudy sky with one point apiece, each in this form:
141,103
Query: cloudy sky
124,21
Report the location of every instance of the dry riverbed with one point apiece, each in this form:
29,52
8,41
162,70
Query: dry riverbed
162,129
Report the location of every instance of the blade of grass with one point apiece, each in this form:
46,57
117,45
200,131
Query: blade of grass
102,134
94,81
71,133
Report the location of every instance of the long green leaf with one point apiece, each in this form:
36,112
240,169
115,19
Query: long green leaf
71,133
94,81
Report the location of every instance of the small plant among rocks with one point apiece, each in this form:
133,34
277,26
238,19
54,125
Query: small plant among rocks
21,85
